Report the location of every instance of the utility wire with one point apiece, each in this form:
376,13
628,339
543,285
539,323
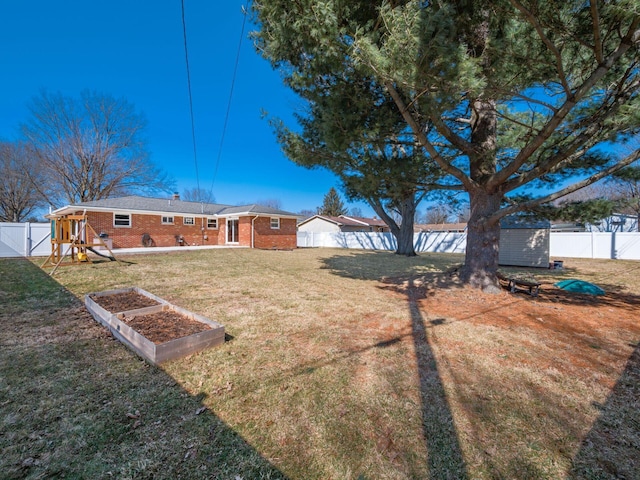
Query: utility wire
193,127
233,82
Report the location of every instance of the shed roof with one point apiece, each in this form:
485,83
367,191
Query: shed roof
519,221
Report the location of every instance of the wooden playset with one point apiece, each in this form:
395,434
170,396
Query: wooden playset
71,238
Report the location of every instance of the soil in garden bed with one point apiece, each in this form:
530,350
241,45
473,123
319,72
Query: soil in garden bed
164,326
122,302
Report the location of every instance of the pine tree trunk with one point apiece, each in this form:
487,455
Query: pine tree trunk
404,237
405,240
403,232
483,239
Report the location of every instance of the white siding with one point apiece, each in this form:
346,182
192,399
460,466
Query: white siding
525,247
318,225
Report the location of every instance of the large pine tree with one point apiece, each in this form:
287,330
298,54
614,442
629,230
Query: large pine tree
355,130
517,102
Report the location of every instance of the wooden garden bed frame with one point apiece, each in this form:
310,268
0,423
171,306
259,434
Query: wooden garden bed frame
154,353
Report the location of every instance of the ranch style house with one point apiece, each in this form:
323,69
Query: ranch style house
135,221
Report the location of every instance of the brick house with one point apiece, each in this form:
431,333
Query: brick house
135,221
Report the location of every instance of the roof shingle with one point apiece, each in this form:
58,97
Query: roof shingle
164,205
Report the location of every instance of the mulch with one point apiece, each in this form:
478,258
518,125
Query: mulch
159,327
122,302
164,326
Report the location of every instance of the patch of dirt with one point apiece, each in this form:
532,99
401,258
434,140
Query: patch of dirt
552,310
122,302
164,326
576,331
555,308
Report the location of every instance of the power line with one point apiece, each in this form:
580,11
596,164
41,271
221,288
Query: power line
193,128
233,82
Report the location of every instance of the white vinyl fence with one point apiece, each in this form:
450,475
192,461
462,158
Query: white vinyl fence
25,239
621,245
424,242
32,239
625,246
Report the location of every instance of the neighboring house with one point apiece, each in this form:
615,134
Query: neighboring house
562,226
343,223
618,222
440,227
135,221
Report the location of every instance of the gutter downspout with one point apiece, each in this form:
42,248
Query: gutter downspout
253,229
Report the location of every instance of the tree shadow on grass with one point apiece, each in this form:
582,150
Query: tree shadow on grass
75,403
611,449
444,455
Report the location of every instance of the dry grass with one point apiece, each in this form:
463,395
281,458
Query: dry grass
340,364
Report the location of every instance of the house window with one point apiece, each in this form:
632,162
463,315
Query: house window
212,223
275,223
121,219
167,220
189,221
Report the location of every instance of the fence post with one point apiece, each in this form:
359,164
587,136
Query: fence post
27,239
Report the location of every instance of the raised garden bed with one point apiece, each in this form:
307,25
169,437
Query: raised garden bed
125,301
152,327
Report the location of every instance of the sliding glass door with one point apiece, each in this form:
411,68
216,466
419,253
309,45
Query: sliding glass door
232,230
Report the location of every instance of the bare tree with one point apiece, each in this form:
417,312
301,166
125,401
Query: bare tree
270,202
626,189
198,195
355,212
18,197
463,212
89,148
595,190
306,213
437,214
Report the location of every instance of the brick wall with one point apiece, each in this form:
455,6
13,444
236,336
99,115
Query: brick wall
162,235
264,236
282,238
165,235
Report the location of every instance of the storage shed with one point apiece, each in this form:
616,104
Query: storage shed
524,242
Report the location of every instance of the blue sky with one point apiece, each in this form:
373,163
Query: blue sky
134,49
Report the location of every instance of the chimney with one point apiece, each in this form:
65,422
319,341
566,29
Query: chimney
176,196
